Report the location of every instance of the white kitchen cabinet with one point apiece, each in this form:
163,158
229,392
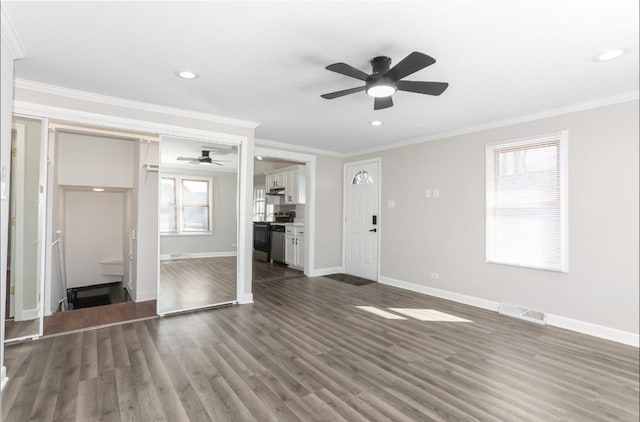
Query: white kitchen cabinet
292,179
294,247
276,180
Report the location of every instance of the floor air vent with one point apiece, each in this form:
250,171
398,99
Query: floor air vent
523,313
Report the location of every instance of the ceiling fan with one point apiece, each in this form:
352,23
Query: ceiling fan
205,158
386,80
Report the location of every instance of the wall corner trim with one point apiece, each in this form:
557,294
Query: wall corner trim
143,296
10,36
319,272
3,378
557,321
245,299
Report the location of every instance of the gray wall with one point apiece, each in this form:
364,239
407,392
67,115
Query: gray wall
328,231
447,235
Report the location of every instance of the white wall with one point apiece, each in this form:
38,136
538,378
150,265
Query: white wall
145,221
85,160
93,233
224,228
447,235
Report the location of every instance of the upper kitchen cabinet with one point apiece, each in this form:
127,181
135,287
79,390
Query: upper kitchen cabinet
291,180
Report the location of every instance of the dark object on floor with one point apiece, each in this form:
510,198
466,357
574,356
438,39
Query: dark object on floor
350,279
91,301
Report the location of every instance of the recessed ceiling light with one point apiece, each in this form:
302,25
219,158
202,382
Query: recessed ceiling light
605,56
259,157
376,123
98,189
185,74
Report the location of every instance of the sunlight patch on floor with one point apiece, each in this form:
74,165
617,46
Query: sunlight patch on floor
380,312
429,315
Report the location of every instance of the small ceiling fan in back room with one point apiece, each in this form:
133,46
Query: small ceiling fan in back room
386,80
205,158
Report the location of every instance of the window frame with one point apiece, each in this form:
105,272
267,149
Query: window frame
563,147
179,204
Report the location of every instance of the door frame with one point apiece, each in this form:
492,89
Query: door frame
99,121
43,181
378,162
310,197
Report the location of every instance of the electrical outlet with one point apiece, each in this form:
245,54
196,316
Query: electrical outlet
233,245
427,193
436,193
435,276
391,204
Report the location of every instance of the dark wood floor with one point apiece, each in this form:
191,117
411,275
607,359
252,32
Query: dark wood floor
78,319
306,351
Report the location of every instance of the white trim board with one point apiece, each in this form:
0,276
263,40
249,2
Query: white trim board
28,109
276,144
319,272
196,255
587,105
120,102
557,321
10,36
3,378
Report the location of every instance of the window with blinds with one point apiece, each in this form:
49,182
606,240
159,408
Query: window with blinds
527,203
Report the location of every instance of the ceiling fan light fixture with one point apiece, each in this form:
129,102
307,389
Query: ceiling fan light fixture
381,90
376,123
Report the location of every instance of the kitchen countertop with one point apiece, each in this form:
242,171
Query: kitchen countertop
287,224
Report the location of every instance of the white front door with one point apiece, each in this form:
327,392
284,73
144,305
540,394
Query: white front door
361,219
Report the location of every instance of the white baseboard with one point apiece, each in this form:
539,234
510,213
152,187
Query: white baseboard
245,299
143,296
3,378
558,321
197,255
319,272
444,294
595,330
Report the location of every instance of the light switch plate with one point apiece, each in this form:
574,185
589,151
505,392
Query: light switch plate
436,193
391,204
427,193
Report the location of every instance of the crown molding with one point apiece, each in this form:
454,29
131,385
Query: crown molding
587,105
10,36
261,142
136,105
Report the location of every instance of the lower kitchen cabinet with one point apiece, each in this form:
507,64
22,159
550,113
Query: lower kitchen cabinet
294,247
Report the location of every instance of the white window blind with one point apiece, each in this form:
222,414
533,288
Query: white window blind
527,203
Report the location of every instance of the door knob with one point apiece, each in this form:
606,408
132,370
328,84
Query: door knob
373,230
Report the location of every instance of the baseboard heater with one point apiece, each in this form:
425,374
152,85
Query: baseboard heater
523,313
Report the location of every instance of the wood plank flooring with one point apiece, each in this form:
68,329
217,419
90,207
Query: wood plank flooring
197,282
17,329
304,351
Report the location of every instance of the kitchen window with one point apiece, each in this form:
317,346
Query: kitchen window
526,202
185,205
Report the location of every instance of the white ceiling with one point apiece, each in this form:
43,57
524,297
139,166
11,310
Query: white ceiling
264,61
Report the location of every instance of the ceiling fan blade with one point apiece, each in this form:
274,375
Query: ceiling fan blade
217,163
410,64
332,95
429,88
382,102
347,70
